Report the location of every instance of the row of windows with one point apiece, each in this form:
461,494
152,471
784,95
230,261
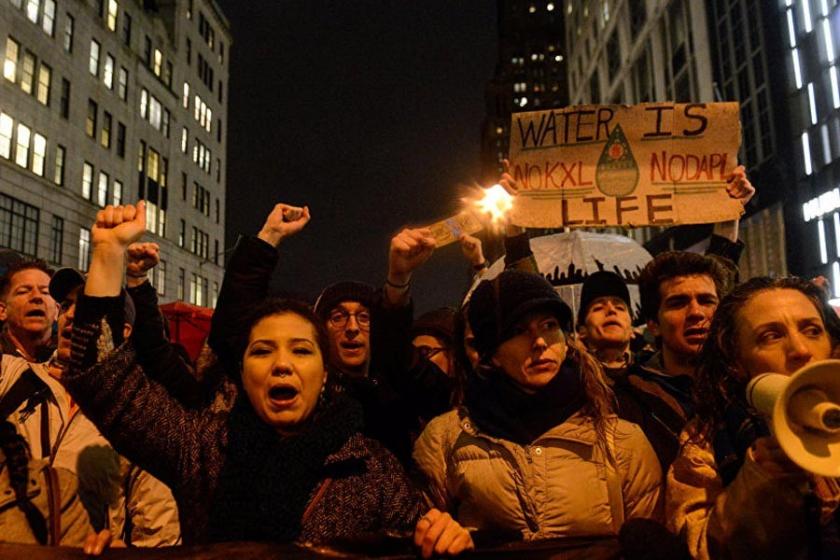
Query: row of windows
98,193
39,12
21,67
202,156
107,70
201,199
203,114
152,110
19,229
18,143
106,131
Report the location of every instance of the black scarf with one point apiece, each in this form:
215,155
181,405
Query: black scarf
501,408
267,479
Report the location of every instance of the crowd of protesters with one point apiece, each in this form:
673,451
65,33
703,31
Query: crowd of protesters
512,417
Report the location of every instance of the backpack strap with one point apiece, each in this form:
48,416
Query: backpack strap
27,386
54,503
319,494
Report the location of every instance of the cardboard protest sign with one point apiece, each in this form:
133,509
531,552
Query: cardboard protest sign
613,165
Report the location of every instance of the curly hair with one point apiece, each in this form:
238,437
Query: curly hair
673,264
717,382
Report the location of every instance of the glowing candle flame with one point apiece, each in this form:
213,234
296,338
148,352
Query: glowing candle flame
496,201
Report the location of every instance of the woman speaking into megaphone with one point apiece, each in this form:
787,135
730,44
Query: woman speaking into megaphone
733,492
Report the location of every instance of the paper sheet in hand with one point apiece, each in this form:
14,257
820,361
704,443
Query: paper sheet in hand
449,230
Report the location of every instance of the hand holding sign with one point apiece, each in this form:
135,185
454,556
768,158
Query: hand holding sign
739,187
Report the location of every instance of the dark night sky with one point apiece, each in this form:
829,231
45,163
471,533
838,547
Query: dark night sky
367,111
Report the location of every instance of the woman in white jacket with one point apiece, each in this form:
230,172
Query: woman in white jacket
535,452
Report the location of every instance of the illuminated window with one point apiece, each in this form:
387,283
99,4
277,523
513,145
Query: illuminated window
90,121
806,153
84,249
185,139
39,154
826,147
812,104
68,32
87,181
111,18
806,15
823,247
44,79
48,23
27,72
791,29
118,193
144,103
93,61
102,189
105,134
60,154
7,126
22,145
835,90
32,10
10,63
122,83
797,72
158,62
829,44
108,73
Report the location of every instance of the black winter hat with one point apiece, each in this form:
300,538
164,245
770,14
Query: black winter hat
498,304
601,284
343,291
439,323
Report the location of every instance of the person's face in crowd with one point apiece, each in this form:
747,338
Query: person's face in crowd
283,370
28,309
433,349
66,315
607,324
534,354
779,331
687,304
348,326
469,345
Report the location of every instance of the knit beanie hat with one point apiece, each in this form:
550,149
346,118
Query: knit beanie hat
343,291
439,323
498,304
601,284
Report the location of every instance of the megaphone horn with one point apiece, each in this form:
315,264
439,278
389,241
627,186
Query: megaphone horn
804,414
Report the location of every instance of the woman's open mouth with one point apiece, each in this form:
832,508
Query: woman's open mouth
283,395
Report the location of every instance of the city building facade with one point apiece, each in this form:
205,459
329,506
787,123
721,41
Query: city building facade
109,102
530,73
812,30
637,51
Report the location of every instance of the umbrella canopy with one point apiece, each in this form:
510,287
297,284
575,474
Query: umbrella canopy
565,259
189,325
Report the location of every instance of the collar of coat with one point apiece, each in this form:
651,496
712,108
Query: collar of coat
578,428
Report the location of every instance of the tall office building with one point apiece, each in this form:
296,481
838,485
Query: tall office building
108,102
636,51
530,73
812,30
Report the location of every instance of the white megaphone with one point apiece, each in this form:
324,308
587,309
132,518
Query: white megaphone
804,414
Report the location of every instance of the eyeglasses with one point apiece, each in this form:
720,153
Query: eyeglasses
338,319
428,352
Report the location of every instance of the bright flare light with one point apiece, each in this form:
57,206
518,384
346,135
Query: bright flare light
496,201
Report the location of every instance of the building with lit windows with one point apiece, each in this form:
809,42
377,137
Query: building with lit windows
530,73
108,102
812,32
636,51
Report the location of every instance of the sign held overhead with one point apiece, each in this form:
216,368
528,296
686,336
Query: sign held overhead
654,164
